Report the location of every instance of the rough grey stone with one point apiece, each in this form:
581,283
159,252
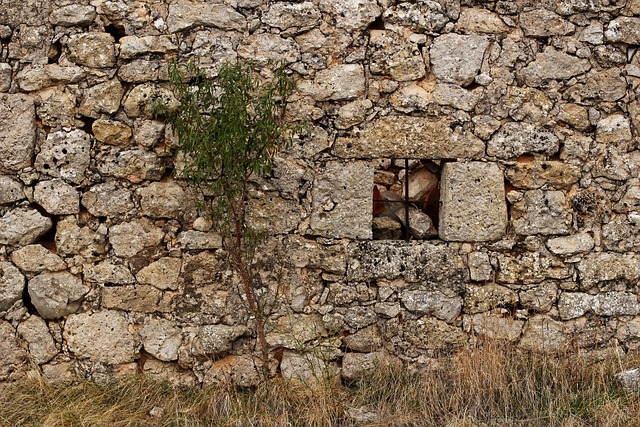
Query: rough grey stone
425,262
457,58
5,77
23,226
515,139
306,368
340,82
100,337
163,273
72,239
479,20
456,96
494,326
198,240
360,317
184,14
342,201
65,155
570,245
479,299
480,269
138,298
215,340
56,294
616,304
102,98
108,273
143,70
531,267
426,16
624,29
10,190
36,259
472,203
538,173
241,371
629,380
544,23
73,15
351,15
432,303
365,340
572,305
12,353
391,53
30,43
96,50
133,165
132,46
107,199
17,131
593,34
540,297
11,284
295,17
129,238
165,200
161,339
602,267
42,348
553,64
36,77
141,99
57,197
265,48
541,212
357,365
542,333
413,137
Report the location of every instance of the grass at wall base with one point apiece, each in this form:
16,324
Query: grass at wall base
229,128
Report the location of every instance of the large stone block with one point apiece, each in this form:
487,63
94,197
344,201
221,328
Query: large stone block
17,131
95,50
56,294
411,137
342,205
457,59
65,155
100,337
23,226
473,206
57,197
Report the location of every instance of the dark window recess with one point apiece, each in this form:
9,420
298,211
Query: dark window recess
406,199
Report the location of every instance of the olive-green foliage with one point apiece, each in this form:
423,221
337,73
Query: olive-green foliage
229,127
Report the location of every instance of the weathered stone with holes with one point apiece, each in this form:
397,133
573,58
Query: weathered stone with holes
12,284
57,197
342,201
306,368
18,136
516,139
540,297
420,17
23,226
65,155
101,337
413,137
10,190
56,294
365,340
36,259
541,212
614,129
394,55
107,200
140,100
480,299
473,207
133,165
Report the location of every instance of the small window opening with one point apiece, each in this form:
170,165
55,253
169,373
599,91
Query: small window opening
406,198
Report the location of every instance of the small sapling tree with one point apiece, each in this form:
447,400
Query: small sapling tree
229,128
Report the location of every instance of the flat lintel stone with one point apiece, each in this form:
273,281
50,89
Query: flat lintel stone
472,202
411,137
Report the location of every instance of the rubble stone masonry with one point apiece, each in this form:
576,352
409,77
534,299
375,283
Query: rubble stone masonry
520,120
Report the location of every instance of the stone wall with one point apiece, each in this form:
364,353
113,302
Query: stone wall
519,118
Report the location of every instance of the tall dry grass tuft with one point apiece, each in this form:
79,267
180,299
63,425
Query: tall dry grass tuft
489,385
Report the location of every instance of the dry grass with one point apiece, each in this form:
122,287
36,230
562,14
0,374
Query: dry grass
492,386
